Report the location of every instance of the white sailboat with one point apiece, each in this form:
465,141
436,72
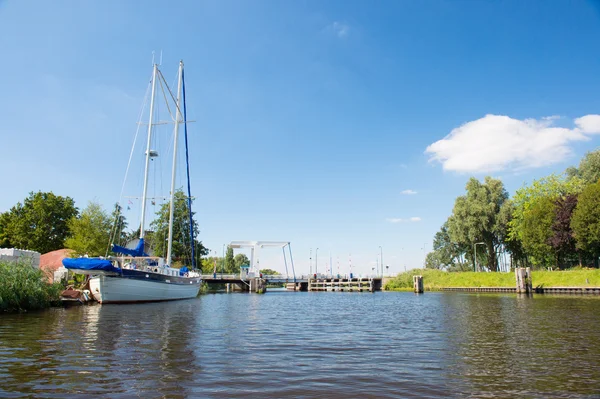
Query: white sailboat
134,276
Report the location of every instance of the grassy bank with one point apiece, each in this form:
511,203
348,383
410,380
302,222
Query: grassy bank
23,288
436,279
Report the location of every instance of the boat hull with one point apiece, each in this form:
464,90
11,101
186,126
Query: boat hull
128,289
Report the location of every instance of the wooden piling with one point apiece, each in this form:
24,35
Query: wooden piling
523,280
418,284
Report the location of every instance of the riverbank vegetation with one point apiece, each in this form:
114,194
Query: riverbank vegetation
436,279
45,222
23,288
553,222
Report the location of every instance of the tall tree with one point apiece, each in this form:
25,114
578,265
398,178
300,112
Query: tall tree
585,221
119,226
552,187
241,260
533,201
512,245
446,253
90,232
475,216
181,231
562,239
536,231
229,262
39,224
589,168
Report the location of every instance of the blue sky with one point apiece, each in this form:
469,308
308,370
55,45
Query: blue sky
312,117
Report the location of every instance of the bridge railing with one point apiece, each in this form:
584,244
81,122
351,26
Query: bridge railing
221,276
280,277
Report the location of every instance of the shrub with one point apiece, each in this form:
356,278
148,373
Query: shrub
23,288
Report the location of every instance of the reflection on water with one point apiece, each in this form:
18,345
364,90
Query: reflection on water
287,344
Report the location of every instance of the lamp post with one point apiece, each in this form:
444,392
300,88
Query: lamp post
381,259
310,263
475,247
387,269
316,259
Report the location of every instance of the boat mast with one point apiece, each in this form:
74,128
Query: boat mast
175,134
148,153
187,163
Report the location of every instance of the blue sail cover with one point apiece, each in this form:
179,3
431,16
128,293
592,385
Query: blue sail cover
91,264
138,251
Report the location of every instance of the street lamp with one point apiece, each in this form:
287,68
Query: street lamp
381,259
475,248
316,259
387,269
310,263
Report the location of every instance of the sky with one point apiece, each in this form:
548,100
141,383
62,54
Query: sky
348,126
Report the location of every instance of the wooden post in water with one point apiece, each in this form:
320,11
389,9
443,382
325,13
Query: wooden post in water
523,279
258,285
418,284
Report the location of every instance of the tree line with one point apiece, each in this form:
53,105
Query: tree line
45,222
552,222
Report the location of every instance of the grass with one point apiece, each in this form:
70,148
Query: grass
436,279
23,288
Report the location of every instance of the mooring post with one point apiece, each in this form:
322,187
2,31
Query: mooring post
418,284
523,280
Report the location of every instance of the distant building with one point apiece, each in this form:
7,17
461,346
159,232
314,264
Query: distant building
14,255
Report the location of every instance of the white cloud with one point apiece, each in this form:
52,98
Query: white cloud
496,142
400,220
408,192
589,124
341,30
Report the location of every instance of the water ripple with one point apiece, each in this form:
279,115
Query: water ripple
309,345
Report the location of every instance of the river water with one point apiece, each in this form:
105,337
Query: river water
309,345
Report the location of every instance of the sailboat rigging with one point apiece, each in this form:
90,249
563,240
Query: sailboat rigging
134,275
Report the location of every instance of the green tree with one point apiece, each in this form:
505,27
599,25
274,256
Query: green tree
39,224
562,240
536,231
531,223
229,262
585,221
181,231
213,264
119,226
512,245
90,232
475,217
433,260
269,272
552,187
447,252
589,168
241,260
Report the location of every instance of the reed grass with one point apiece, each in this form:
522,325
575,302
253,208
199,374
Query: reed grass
23,288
